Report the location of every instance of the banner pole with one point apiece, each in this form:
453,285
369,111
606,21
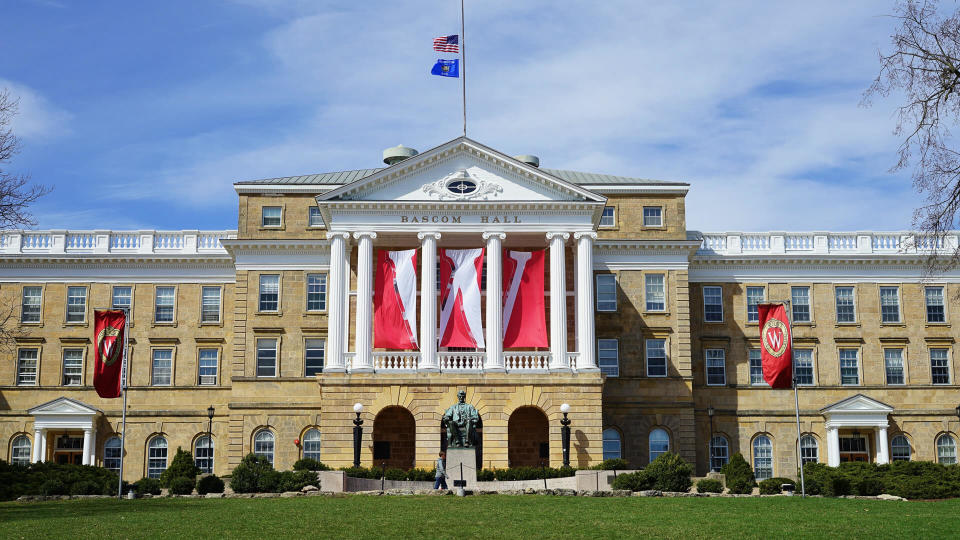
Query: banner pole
123,390
463,68
796,398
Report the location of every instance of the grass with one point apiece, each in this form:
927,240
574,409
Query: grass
486,516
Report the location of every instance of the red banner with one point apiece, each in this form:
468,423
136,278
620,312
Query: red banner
395,300
108,329
775,352
461,324
524,316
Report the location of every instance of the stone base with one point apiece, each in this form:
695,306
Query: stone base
468,458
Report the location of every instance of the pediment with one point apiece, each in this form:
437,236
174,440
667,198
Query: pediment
64,406
858,404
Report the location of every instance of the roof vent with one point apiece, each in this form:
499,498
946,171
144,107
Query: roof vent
533,161
397,154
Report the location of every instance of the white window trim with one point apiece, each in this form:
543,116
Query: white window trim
304,343
596,290
282,212
666,357
612,225
219,320
880,300
83,365
946,312
219,363
175,298
309,210
253,443
16,369
762,382
706,366
903,357
856,308
666,299
326,293
949,371
42,293
703,295
133,291
643,217
279,310
617,341
813,364
859,367
276,361
810,302
746,302
173,365
66,304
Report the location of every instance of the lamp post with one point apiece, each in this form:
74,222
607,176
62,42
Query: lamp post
565,434
357,433
710,412
210,411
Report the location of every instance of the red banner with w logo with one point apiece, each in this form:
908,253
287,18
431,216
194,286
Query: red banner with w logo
108,329
775,352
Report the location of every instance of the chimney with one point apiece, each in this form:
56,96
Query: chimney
533,161
397,154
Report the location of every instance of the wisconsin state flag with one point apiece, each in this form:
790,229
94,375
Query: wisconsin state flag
775,352
524,316
108,339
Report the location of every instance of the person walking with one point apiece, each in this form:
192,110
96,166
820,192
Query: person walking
441,477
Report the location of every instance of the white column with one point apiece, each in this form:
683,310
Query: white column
494,361
87,446
558,301
428,301
833,447
585,317
336,293
43,445
883,449
363,359
37,435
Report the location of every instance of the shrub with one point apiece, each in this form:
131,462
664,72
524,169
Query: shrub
181,485
771,486
709,485
395,474
422,475
739,475
254,474
638,481
182,466
86,487
53,487
669,472
486,475
295,480
309,464
147,485
358,472
615,464
209,484
741,486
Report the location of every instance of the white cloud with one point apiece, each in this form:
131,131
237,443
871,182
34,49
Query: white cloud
37,118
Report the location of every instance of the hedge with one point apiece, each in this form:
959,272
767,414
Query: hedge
210,483
376,473
669,472
615,464
309,464
48,478
709,485
908,479
773,486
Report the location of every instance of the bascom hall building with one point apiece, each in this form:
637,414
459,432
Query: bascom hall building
653,337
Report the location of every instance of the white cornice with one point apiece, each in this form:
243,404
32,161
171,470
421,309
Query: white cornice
284,188
652,189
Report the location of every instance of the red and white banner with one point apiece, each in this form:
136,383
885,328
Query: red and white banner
108,329
775,351
395,300
461,324
524,316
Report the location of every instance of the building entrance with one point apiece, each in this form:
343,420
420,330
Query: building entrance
68,450
394,438
528,438
854,448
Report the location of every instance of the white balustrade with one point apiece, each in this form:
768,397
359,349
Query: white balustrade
842,242
36,241
886,242
714,242
526,360
103,242
81,241
395,361
168,240
572,358
120,241
798,242
755,242
826,243
461,361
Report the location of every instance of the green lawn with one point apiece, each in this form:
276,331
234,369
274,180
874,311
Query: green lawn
488,516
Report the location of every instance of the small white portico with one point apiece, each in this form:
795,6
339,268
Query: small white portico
64,415
852,414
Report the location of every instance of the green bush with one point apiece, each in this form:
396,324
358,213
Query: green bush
85,487
51,478
181,485
296,480
669,472
254,474
615,464
739,474
637,481
422,475
709,485
358,472
741,486
395,474
771,486
53,487
147,486
486,475
210,483
309,464
182,466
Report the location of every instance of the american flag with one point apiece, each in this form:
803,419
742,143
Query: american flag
447,44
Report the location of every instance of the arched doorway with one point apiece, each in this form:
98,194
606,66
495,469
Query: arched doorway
394,438
528,439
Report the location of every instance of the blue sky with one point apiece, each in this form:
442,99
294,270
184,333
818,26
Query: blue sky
143,114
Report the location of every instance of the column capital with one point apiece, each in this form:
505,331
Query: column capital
424,235
489,235
591,235
343,235
563,235
360,234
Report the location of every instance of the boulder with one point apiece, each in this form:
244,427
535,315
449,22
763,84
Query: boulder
289,494
306,489
888,497
651,493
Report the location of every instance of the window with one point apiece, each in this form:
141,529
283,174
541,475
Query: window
76,304
893,364
27,367
316,292
659,443
266,358
608,218
111,454
313,350
606,292
716,367
207,370
20,450
846,312
762,458
654,292
946,450
271,216
608,357
809,449
163,304
122,297
314,219
656,358
652,216
803,366
210,305
712,304
269,292
939,366
162,367
311,444
754,297
611,444
899,448
203,454
30,305
72,367
800,302
934,298
263,444
756,368
719,452
889,304
849,366
156,457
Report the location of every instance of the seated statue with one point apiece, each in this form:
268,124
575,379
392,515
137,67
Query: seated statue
461,420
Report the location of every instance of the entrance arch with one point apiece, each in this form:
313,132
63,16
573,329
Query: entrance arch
528,438
394,438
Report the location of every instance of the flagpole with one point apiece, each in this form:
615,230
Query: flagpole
796,398
463,68
123,390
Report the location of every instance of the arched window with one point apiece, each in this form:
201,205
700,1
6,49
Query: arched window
156,456
203,454
809,449
719,452
900,448
311,444
111,454
659,443
946,450
611,444
762,458
20,450
263,444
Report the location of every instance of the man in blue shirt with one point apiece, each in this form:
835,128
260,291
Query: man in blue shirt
441,478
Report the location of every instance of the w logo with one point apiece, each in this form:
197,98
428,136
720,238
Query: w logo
774,333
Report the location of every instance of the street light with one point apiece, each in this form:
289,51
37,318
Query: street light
565,434
710,412
357,433
210,411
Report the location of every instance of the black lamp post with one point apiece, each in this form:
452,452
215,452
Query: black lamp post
565,434
357,433
210,411
710,412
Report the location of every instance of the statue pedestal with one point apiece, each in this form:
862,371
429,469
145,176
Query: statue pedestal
466,457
